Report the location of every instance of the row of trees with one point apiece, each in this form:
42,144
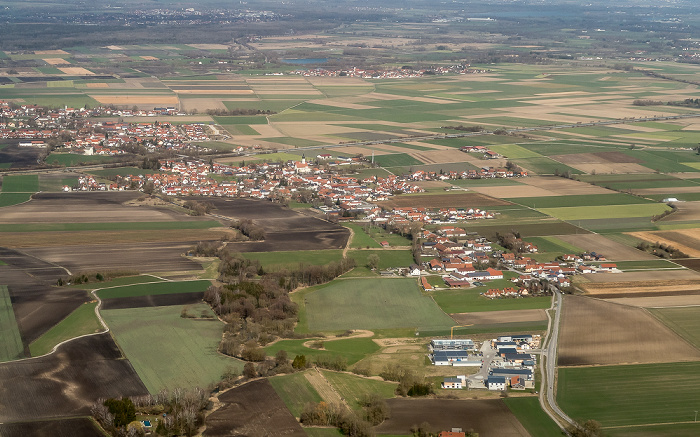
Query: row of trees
250,229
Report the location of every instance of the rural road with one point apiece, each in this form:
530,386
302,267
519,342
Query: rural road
549,355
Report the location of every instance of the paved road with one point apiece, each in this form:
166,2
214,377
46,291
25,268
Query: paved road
478,379
549,354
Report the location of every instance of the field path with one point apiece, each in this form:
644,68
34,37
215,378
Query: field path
347,245
356,333
324,388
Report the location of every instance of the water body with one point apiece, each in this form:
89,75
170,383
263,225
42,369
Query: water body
305,61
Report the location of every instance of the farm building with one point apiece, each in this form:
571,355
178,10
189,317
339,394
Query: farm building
496,383
454,358
453,382
452,345
509,373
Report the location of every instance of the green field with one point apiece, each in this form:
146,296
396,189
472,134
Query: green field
652,264
20,184
353,388
606,211
684,321
370,304
116,226
360,239
80,322
352,349
470,300
532,417
9,199
70,159
642,394
293,259
153,289
690,429
11,347
295,391
553,244
324,432
396,160
148,335
513,151
387,258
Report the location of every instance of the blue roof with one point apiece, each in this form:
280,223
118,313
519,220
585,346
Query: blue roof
513,372
496,380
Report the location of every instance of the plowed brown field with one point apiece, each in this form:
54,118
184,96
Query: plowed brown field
595,332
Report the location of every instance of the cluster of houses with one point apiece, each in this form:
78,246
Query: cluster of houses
90,136
273,180
513,366
399,73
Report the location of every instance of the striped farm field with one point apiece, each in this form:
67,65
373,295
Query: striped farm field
20,184
295,391
11,347
154,289
579,200
147,335
685,321
641,394
606,211
115,226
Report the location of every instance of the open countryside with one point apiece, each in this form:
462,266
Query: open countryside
319,220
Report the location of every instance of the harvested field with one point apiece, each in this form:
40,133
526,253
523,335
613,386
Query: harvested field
438,156
686,211
56,61
77,427
140,99
643,288
37,305
612,250
693,264
634,278
658,301
511,191
622,335
562,186
51,52
487,417
284,228
51,239
89,207
496,317
76,71
460,200
67,382
157,300
139,257
685,240
250,410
